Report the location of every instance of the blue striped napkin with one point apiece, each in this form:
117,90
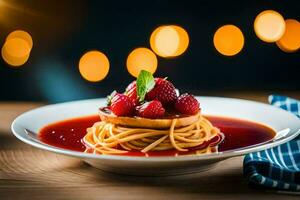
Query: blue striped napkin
278,167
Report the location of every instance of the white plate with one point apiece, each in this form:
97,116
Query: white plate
286,125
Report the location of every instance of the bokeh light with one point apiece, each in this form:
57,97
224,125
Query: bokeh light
17,47
15,52
164,41
94,66
269,26
141,59
183,40
21,34
290,41
169,41
228,40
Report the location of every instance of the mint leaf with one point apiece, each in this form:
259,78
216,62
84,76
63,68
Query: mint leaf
144,83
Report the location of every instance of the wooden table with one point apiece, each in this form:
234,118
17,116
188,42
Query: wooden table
30,173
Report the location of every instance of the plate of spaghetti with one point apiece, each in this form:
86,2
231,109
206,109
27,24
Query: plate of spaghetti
153,129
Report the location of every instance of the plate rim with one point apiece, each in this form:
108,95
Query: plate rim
219,155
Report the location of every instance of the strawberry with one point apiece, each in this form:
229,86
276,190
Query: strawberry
121,105
130,86
187,104
132,94
163,91
152,109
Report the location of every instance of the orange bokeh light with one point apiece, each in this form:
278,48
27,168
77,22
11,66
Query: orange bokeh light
228,40
165,41
169,41
290,41
183,40
17,47
141,59
94,66
269,26
15,52
21,34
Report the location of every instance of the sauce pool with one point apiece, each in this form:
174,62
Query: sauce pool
67,134
238,133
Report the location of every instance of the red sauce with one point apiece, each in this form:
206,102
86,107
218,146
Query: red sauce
241,133
67,134
238,133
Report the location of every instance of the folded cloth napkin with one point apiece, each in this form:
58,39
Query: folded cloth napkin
278,167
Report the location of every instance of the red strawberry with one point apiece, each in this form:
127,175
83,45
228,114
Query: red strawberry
121,105
187,104
132,94
152,109
130,86
163,91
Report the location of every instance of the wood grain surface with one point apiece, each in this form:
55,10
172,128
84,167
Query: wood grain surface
30,173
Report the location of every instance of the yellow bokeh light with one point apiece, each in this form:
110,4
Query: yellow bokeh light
169,41
269,26
290,41
228,40
94,66
22,35
184,40
165,41
15,52
141,59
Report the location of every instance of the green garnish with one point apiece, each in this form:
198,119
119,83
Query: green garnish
144,83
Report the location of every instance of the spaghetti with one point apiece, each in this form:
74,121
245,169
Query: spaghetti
109,138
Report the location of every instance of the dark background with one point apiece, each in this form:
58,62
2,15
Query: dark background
63,30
